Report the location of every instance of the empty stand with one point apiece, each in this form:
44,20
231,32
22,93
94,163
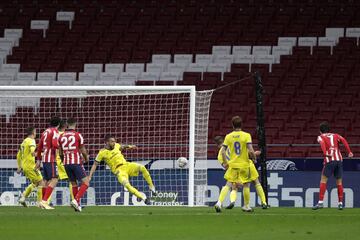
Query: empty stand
308,55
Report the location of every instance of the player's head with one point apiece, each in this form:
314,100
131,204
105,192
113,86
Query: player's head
63,125
110,141
236,122
55,121
71,122
219,140
324,127
31,132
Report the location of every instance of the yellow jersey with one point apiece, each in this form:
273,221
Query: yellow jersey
236,148
25,157
58,159
113,158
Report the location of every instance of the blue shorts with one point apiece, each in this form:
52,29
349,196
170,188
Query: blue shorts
75,172
50,171
334,168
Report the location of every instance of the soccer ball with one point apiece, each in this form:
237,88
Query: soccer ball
182,162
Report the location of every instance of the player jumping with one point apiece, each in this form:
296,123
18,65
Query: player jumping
113,157
329,143
254,177
238,146
26,163
72,150
46,152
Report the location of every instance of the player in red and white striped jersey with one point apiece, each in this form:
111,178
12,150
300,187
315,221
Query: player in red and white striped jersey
72,152
71,143
46,152
329,143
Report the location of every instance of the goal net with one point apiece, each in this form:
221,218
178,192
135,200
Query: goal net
165,123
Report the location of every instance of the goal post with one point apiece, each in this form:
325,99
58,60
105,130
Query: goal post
165,122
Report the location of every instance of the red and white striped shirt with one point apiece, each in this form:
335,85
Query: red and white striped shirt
70,143
329,143
48,145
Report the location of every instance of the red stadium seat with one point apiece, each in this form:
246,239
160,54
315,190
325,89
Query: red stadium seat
300,92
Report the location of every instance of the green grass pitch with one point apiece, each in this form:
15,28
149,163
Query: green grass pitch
147,223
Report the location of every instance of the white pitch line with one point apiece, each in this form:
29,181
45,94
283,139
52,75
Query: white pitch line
41,213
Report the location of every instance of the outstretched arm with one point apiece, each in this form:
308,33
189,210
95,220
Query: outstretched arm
126,147
93,169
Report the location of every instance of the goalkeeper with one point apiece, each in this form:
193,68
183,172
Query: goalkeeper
113,157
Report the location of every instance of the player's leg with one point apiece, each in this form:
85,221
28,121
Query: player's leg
71,191
260,193
39,194
46,179
326,173
25,194
133,170
50,172
245,178
123,179
43,189
254,177
49,189
35,178
147,177
72,172
61,176
82,177
233,196
41,184
230,177
72,180
233,193
246,194
31,176
224,191
64,176
338,172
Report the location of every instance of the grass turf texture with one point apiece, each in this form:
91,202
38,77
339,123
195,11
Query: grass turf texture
177,223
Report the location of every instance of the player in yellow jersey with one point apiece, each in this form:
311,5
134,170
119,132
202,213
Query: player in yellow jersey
254,177
219,140
26,163
236,151
113,157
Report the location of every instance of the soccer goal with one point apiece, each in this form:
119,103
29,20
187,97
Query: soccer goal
164,122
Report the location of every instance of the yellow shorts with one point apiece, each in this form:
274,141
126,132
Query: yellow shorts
238,175
61,171
253,172
128,170
33,175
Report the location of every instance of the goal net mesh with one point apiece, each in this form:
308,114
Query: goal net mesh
157,122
